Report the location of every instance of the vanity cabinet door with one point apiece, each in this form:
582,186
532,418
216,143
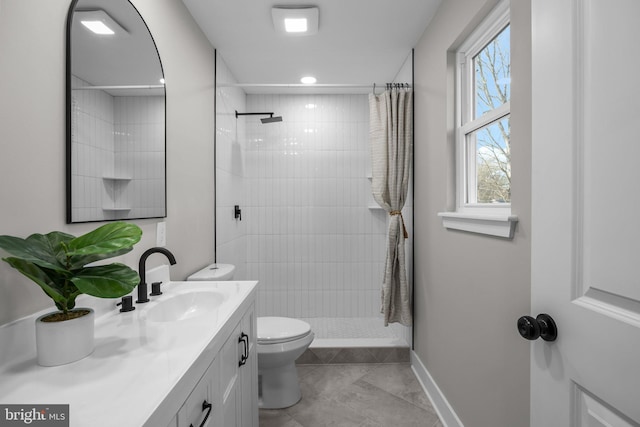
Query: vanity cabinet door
248,374
201,409
229,384
239,375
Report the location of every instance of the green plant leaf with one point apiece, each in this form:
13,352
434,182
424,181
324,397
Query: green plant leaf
33,272
106,281
104,242
77,262
56,262
39,249
57,242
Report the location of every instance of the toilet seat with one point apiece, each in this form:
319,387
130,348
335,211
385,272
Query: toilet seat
278,330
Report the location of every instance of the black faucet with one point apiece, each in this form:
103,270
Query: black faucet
142,286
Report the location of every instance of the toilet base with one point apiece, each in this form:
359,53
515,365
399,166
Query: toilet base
279,387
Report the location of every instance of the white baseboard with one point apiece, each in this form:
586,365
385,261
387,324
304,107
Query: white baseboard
444,410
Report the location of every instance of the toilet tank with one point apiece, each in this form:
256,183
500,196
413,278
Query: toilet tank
214,273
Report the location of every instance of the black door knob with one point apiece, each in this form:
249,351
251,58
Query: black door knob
542,326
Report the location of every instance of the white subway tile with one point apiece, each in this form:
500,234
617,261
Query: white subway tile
313,243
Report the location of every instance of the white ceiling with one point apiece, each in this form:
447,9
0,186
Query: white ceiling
358,41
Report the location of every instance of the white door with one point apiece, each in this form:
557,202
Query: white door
586,212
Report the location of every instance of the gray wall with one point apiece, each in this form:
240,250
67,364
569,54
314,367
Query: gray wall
469,288
32,137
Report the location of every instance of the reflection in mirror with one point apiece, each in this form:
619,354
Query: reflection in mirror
115,115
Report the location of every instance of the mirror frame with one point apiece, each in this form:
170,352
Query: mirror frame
68,100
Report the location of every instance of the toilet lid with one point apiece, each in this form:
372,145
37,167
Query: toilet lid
214,273
275,330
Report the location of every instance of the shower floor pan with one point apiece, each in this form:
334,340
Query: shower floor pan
354,340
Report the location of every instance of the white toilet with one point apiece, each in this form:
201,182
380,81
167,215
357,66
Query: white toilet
280,341
214,272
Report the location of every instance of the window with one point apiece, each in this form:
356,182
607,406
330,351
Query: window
483,128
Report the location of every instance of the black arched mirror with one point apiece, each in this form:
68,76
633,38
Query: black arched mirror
116,150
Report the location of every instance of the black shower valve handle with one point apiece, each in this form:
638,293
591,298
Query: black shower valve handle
237,212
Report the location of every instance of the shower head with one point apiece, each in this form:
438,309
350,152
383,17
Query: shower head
271,119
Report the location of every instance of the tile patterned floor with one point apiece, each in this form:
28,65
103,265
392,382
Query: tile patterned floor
356,395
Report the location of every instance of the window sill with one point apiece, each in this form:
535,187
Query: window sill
500,225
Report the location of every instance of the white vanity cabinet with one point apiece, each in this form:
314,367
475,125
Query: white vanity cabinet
227,394
201,407
239,375
249,375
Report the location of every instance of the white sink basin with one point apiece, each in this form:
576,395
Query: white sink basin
185,306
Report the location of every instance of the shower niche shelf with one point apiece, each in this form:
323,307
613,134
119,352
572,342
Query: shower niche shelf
115,186
117,178
116,209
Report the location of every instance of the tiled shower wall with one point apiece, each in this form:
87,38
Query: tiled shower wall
315,241
140,154
231,187
119,137
92,150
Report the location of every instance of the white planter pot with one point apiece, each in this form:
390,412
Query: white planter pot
59,343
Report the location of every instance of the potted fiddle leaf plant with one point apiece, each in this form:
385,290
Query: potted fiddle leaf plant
58,263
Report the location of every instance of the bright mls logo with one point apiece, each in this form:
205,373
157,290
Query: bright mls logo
34,415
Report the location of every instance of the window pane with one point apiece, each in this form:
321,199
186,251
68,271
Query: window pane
492,178
492,79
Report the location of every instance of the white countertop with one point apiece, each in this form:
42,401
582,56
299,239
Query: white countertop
140,371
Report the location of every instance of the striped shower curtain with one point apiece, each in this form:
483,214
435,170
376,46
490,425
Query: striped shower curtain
391,141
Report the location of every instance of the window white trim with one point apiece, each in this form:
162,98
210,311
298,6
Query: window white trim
492,224
492,219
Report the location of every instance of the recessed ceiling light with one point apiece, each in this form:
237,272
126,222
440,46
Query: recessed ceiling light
162,81
295,25
295,20
99,22
308,80
98,27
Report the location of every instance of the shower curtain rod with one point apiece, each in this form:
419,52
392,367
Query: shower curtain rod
308,86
